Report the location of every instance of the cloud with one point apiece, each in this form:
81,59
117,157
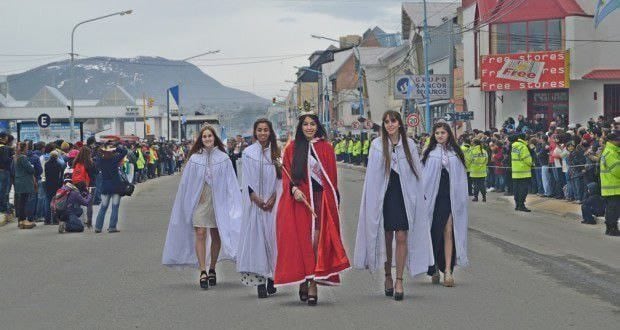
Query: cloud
287,20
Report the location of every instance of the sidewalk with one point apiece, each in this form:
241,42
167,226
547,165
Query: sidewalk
535,203
544,204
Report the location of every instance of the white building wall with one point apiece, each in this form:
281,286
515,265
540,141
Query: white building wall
377,92
475,103
514,104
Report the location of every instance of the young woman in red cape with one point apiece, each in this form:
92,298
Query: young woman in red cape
310,249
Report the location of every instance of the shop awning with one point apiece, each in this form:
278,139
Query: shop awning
611,74
528,10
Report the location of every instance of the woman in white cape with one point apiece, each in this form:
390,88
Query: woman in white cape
208,198
393,203
445,184
262,185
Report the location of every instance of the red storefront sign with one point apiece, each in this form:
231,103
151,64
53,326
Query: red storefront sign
525,71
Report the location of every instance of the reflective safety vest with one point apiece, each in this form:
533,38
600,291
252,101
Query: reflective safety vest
521,160
140,162
478,162
366,147
357,148
153,156
465,148
350,147
610,170
337,148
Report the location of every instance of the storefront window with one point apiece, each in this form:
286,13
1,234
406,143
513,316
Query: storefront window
523,37
536,34
518,36
554,34
500,38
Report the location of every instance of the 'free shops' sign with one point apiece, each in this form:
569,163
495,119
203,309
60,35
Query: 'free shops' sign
540,70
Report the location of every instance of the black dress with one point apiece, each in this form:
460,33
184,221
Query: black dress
394,213
441,213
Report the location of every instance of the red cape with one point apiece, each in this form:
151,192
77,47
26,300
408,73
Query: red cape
296,260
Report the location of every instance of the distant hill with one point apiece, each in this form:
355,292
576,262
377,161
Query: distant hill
151,75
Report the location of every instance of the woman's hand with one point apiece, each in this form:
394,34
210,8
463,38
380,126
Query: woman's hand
299,195
256,200
268,205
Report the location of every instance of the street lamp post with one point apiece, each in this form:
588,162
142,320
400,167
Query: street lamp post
72,118
359,69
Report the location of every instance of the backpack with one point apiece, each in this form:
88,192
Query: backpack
60,199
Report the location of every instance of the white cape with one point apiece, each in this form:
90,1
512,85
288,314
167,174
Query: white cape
257,242
370,241
179,248
458,196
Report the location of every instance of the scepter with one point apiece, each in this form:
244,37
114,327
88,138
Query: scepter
281,166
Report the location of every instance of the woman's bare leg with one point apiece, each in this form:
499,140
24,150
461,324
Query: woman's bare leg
201,241
216,244
389,237
448,243
401,256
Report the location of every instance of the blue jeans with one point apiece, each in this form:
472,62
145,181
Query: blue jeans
569,188
5,187
31,206
499,181
98,183
546,180
576,184
42,204
539,182
103,208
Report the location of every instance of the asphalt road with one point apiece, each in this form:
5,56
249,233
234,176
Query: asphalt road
528,271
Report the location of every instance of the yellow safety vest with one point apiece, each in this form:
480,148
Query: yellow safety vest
357,148
521,160
465,148
610,170
366,147
350,147
478,162
140,162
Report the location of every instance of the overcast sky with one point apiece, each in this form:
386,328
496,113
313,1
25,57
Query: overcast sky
182,28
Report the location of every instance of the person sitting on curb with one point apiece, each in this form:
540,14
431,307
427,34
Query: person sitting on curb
70,218
593,205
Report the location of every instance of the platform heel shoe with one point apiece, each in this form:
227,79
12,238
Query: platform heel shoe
204,280
212,277
448,279
271,289
398,296
262,291
390,291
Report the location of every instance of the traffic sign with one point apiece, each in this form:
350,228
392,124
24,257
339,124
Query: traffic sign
413,120
44,120
355,125
459,116
368,124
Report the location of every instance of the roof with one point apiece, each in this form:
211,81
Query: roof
530,10
413,14
604,74
372,55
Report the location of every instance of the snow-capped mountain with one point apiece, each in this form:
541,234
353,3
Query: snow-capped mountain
149,75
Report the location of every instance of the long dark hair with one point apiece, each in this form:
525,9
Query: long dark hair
273,143
300,156
84,157
198,145
387,158
451,143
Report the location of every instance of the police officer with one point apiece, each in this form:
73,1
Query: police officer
357,151
350,150
478,159
610,182
521,165
365,149
465,148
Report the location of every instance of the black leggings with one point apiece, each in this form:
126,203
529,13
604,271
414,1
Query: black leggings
21,201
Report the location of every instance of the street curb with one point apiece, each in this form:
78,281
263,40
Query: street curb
536,203
358,168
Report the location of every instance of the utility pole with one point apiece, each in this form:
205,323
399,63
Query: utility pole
451,65
426,74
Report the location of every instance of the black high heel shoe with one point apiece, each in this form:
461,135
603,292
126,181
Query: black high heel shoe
204,280
262,291
212,277
303,291
271,289
389,292
398,296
